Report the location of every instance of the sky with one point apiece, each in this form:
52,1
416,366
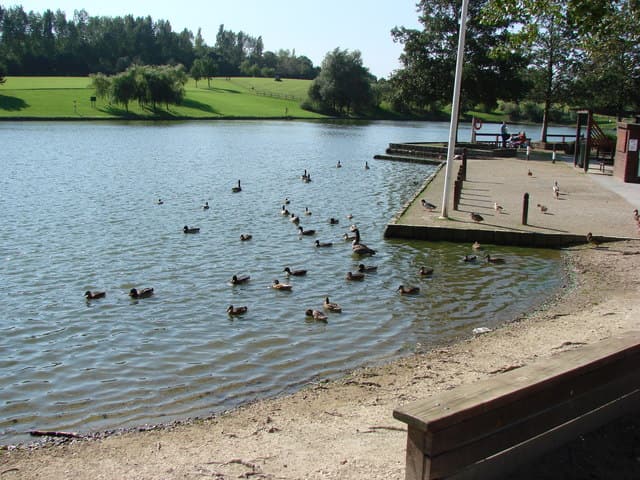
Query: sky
312,28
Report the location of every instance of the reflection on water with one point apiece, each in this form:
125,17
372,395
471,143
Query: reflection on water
80,213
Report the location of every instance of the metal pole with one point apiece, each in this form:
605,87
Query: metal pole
455,107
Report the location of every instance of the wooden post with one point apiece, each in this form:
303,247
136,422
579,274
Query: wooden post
457,190
525,208
464,164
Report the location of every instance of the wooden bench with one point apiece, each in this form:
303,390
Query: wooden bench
488,428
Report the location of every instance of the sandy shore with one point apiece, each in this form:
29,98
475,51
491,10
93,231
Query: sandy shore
345,429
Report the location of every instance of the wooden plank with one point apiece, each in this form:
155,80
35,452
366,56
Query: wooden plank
416,468
522,454
529,427
466,401
602,385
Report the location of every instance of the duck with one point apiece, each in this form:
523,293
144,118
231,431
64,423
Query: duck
367,268
366,165
294,218
543,208
636,216
94,295
280,286
160,202
284,211
428,205
333,221
469,258
323,244
497,208
294,273
187,229
331,306
425,271
556,190
476,217
307,211
338,165
306,232
231,310
205,206
237,188
349,216
530,173
357,276
408,290
142,293
316,314
476,246
237,280
245,236
592,240
286,199
493,260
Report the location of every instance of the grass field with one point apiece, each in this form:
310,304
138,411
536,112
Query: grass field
69,98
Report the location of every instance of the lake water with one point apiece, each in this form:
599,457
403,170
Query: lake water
79,213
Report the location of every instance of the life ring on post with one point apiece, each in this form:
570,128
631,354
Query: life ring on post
477,123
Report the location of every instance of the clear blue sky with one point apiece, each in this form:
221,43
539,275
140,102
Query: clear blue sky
312,28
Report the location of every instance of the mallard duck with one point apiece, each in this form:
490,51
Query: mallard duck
94,295
205,206
469,258
307,211
306,232
237,280
280,286
476,217
316,314
592,240
237,310
367,268
323,244
143,293
491,259
357,276
245,236
334,221
428,205
425,271
408,290
188,229
331,306
294,273
237,188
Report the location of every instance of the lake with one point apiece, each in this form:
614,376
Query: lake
80,212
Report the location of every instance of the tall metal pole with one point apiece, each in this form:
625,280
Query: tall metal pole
455,108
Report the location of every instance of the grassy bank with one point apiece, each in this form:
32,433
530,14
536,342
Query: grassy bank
69,98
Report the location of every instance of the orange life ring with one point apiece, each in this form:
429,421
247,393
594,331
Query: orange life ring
477,123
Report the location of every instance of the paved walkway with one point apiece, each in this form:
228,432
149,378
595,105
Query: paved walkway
593,202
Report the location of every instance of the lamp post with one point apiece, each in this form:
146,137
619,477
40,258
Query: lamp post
455,108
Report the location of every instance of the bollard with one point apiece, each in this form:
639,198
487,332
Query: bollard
463,167
528,151
525,208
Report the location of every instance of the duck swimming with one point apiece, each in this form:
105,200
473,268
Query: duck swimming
294,273
237,280
331,306
361,249
294,218
367,268
94,295
143,293
306,232
323,244
491,259
469,258
280,286
408,290
160,202
316,314
237,310
205,206
284,211
425,271
188,229
366,165
355,276
245,236
307,211
237,188
334,221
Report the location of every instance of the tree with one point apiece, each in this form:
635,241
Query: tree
197,70
343,84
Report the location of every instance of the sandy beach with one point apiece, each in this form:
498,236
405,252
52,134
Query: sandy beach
344,429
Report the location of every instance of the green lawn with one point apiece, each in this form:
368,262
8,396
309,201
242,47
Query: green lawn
69,97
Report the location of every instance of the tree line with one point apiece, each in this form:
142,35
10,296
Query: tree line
49,43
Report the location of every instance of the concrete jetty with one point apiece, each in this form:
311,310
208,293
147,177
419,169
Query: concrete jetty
593,202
